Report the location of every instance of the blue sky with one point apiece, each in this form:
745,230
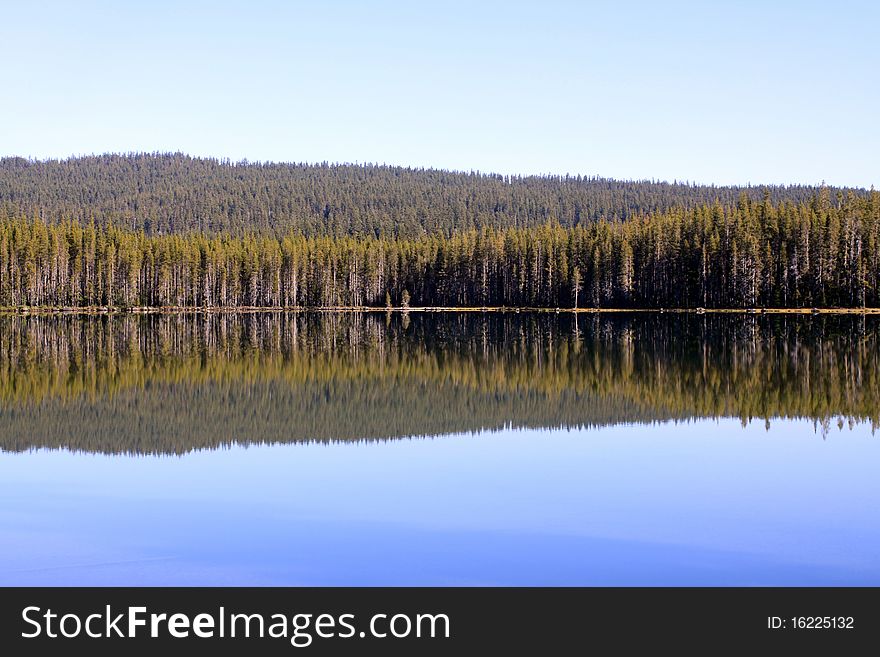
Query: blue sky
713,92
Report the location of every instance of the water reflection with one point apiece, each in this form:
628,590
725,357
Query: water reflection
577,476
174,383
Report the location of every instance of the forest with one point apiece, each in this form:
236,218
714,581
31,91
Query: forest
171,383
824,252
168,193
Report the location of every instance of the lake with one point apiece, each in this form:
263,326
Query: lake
439,449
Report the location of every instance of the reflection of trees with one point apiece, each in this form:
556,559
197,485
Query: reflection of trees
170,383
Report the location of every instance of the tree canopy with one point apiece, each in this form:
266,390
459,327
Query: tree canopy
164,193
751,254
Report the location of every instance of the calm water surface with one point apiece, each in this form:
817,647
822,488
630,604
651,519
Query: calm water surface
439,449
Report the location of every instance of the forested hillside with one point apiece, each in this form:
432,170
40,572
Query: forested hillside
170,193
752,254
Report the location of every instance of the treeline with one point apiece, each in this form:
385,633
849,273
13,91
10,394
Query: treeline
173,383
171,193
750,254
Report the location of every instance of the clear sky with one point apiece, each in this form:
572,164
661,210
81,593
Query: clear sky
724,92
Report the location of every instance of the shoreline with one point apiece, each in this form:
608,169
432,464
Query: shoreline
200,310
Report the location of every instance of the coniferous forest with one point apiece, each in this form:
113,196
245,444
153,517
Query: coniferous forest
173,193
169,231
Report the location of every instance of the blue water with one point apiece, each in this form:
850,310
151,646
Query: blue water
708,502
